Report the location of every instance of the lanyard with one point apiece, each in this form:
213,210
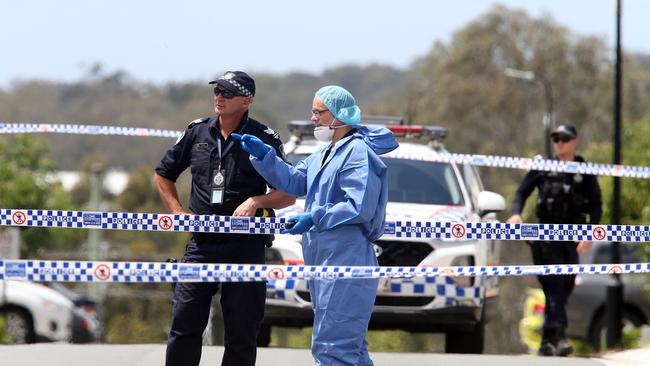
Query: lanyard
219,149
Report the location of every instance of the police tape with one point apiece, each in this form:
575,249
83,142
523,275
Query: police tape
495,161
443,230
156,272
75,129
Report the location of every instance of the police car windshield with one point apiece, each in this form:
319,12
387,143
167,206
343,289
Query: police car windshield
414,181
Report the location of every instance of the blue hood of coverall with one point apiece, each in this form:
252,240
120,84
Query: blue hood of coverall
380,139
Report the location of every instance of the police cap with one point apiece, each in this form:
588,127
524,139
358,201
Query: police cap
566,129
237,82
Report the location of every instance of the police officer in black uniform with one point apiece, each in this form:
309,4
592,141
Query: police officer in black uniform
563,198
223,183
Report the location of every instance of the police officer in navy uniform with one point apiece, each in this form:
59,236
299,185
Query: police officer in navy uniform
563,198
223,183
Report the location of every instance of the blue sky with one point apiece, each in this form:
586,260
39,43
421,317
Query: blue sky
161,41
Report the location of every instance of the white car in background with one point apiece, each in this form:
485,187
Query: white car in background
35,313
419,189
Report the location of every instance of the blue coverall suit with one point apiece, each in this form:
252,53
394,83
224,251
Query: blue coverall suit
347,195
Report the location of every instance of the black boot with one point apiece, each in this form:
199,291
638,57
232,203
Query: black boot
547,348
562,345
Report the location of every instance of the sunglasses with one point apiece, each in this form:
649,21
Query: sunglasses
563,138
226,94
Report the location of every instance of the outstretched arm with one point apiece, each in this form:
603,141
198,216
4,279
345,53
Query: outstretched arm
276,172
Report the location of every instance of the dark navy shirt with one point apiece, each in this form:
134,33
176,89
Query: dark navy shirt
197,149
535,179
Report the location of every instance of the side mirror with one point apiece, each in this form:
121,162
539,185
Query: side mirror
489,202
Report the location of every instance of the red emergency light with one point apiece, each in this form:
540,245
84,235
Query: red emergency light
402,130
434,133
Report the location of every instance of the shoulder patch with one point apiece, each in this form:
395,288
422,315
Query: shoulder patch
272,133
197,121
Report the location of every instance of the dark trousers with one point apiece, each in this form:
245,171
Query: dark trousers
557,288
242,304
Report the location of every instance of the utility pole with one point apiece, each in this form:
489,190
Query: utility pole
94,235
548,117
615,290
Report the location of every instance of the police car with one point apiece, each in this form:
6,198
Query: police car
419,189
35,313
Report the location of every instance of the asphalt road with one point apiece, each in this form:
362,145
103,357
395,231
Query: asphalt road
154,354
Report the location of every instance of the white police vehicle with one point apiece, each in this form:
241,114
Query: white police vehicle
35,313
419,189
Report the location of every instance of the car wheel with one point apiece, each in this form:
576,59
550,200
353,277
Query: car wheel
466,342
264,336
20,327
598,334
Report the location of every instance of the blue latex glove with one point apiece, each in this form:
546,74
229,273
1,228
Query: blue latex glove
301,223
252,145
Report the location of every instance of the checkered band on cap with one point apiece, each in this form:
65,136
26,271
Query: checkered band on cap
230,78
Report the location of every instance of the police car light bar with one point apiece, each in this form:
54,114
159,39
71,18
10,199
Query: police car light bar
435,133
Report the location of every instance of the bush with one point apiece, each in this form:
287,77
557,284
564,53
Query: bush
128,329
4,338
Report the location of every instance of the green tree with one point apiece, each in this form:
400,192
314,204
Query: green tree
461,85
141,195
635,193
26,182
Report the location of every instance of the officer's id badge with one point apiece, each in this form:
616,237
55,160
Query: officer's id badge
218,185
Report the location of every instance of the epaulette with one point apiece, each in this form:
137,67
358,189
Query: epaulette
197,121
190,125
272,133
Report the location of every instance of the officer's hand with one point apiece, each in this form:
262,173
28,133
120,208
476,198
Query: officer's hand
514,219
252,145
583,246
299,224
247,208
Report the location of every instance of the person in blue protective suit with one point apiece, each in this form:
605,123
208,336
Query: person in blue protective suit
345,189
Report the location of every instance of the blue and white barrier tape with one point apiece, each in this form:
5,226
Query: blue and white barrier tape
627,171
271,225
149,272
17,128
476,160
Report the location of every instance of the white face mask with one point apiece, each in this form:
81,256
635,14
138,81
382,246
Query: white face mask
325,133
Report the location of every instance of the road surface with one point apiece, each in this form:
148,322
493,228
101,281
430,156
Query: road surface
154,354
